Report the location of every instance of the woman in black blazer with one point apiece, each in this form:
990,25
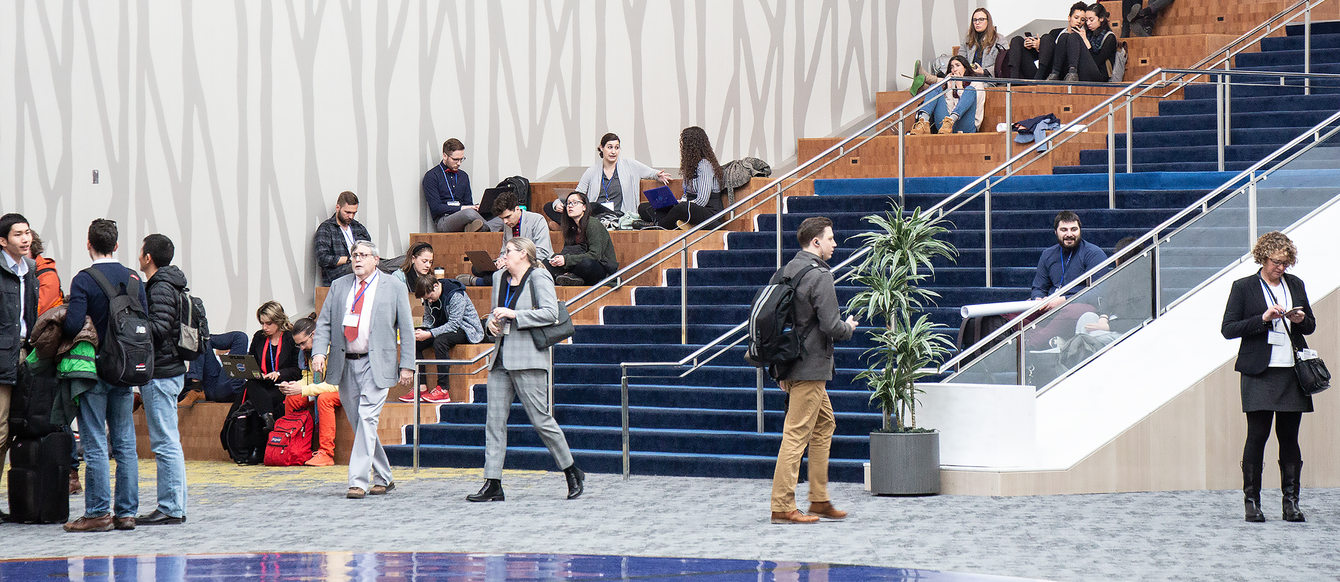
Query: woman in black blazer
1270,312
277,354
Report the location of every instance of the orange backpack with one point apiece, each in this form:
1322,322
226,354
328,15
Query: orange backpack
49,293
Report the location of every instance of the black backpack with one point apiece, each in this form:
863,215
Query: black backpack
126,353
34,397
773,341
243,435
519,186
193,327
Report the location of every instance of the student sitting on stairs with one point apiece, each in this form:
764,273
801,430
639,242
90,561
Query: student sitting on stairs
297,394
953,108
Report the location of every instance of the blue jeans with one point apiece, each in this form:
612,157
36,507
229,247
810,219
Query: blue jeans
160,414
105,415
966,109
217,385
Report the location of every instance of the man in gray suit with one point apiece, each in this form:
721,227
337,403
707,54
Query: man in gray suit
365,316
809,413
522,223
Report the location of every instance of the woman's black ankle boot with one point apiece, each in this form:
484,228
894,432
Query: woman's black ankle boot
491,491
575,479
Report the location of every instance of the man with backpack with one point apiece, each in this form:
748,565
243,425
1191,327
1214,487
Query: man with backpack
166,285
18,278
105,419
809,414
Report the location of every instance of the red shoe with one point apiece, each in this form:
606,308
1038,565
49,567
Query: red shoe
409,396
437,396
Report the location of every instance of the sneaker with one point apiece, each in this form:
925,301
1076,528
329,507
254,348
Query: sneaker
437,396
568,280
409,396
466,279
475,225
320,459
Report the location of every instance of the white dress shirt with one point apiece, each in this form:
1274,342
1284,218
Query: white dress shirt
360,343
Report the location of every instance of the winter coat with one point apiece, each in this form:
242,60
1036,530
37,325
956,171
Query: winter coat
46,337
10,342
165,289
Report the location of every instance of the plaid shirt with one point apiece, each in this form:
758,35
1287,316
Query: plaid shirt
330,245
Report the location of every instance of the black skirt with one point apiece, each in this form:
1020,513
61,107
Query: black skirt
1276,390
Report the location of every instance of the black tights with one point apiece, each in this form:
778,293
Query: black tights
1028,63
1072,54
1286,434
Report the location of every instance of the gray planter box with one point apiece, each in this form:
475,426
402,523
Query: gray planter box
905,463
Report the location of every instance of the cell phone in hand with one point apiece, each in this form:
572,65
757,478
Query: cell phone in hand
1298,309
1028,34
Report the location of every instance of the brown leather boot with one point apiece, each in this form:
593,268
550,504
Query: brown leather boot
826,510
85,523
793,516
76,486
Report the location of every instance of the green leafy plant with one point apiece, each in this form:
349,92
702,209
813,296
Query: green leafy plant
899,258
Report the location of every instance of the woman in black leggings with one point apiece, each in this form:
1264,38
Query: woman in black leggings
702,184
1269,310
1086,56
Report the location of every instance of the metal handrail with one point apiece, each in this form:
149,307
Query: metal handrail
1154,238
414,389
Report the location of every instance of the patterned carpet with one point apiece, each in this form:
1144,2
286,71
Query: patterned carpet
1134,536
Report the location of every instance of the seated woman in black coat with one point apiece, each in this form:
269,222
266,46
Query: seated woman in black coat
277,354
588,253
1087,56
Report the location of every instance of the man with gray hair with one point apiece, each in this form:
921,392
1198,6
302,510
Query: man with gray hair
362,320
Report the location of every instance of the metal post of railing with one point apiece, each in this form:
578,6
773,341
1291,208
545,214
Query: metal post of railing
684,286
414,389
1021,375
758,385
1130,147
623,399
1009,123
1219,119
1157,255
986,246
777,226
902,161
1307,48
1228,105
1111,157
1252,220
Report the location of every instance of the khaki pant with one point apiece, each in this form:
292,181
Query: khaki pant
809,422
5,390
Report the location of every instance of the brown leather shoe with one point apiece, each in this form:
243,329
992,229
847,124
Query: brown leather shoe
355,493
826,510
76,486
124,523
381,489
85,523
794,516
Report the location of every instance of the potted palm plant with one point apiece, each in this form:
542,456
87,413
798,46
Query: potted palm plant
904,459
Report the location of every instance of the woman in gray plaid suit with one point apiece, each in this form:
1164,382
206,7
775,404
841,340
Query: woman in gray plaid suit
523,292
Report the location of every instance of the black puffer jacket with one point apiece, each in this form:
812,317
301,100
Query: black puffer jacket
164,295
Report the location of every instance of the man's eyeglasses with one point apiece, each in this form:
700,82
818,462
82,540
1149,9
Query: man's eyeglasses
361,255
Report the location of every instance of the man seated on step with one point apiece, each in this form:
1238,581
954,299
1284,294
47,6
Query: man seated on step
298,395
1060,264
517,222
446,188
449,319
335,237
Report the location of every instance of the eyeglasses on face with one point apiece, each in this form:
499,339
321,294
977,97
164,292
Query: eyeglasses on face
979,19
575,203
361,255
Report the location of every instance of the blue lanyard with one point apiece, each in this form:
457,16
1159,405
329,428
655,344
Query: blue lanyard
507,301
360,294
450,191
1064,262
1285,288
605,185
272,357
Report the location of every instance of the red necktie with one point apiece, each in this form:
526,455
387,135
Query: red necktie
351,331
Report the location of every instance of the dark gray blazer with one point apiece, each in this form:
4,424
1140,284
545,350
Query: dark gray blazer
1242,319
816,318
532,311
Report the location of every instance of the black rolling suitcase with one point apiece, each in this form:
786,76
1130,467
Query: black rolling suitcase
39,479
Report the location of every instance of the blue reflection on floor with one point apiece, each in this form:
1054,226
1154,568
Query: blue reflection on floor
443,566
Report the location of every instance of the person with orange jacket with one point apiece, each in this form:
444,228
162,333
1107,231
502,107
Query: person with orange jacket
49,293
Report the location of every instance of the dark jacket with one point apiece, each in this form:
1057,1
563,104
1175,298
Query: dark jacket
330,245
10,303
441,188
286,363
598,247
1056,268
816,318
87,298
165,289
1242,319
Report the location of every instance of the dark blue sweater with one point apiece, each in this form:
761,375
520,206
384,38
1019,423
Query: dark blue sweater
87,298
441,188
1055,269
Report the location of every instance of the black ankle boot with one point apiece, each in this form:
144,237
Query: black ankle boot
575,478
1289,485
491,491
1251,492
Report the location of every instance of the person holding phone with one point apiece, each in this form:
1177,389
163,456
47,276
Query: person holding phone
981,46
1030,57
1270,313
1088,53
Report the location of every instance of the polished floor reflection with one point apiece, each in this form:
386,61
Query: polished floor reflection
443,566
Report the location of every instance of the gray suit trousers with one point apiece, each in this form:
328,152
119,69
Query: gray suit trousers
362,401
532,387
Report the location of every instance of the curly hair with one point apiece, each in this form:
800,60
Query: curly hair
987,38
1273,244
693,148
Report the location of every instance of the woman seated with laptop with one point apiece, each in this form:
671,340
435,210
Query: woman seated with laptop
702,185
276,355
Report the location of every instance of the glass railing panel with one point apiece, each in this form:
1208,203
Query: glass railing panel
999,366
1207,244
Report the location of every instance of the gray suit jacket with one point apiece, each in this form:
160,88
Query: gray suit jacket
518,349
391,319
816,318
536,228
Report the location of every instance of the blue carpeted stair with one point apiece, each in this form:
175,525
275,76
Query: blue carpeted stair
1265,114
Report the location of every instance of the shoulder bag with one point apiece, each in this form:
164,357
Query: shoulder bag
545,337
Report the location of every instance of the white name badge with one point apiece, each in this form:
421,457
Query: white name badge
1276,338
351,320
454,204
